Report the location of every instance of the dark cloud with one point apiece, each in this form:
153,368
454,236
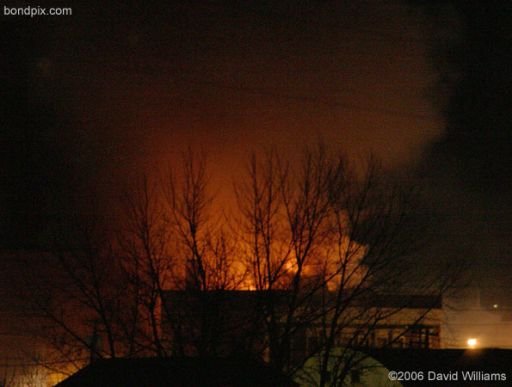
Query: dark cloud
478,113
470,166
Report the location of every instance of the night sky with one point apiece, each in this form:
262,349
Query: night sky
92,100
471,163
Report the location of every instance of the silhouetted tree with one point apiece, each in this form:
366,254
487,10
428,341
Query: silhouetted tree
335,237
207,255
325,244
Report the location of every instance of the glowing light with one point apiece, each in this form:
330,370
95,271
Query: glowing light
495,306
472,342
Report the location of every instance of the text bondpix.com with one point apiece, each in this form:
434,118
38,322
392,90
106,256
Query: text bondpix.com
36,11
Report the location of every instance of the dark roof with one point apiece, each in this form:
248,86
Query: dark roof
177,372
448,360
416,301
419,301
227,295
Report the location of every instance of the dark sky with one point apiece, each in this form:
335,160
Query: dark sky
91,100
95,98
471,164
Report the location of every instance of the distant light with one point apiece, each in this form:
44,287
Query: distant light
472,342
495,306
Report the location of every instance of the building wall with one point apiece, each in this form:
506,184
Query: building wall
238,323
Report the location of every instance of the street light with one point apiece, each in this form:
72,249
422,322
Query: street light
472,342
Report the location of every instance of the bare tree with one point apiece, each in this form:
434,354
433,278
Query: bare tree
207,254
104,296
376,229
335,239
286,229
100,293
144,249
75,291
322,250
